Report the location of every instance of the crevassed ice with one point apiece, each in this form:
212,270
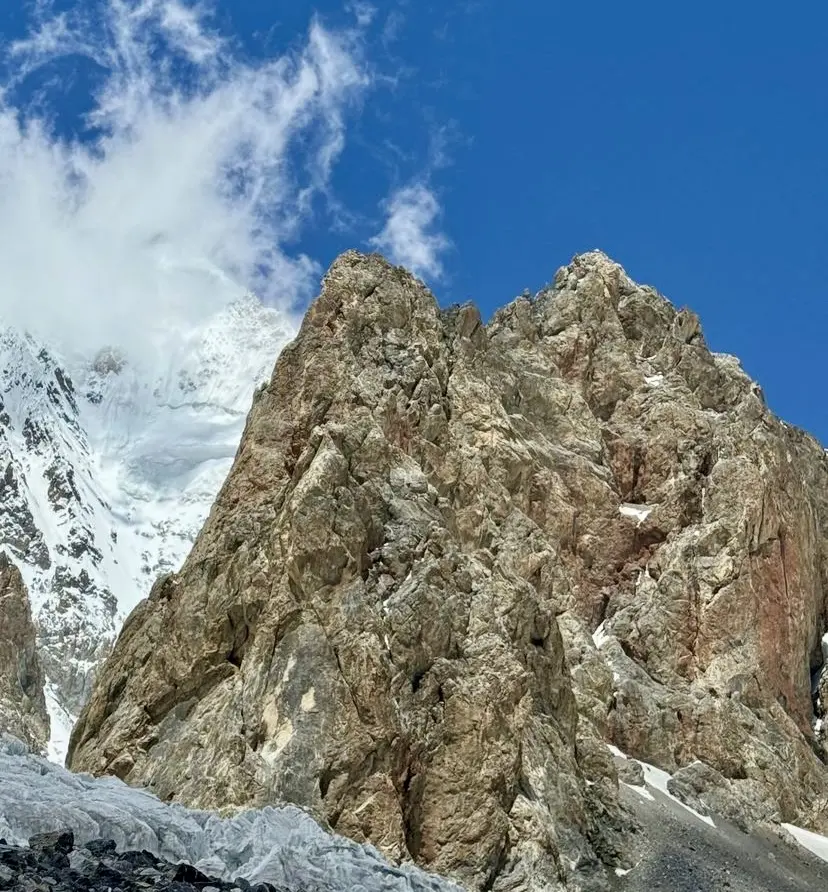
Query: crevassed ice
283,846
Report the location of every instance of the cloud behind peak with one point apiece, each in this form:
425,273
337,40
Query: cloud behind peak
192,173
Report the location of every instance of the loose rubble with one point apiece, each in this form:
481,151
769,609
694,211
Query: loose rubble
51,863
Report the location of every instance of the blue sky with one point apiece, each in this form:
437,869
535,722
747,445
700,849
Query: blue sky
499,139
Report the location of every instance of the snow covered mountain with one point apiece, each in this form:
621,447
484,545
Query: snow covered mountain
108,467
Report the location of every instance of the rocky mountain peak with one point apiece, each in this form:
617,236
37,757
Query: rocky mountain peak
453,560
108,361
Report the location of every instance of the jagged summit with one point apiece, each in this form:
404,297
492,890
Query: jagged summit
596,261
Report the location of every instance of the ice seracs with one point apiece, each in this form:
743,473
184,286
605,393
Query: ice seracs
283,846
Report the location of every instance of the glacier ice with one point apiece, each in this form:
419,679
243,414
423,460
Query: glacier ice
279,845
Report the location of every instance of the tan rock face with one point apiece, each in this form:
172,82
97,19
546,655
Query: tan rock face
22,703
388,616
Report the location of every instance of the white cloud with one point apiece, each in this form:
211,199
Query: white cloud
409,236
201,170
363,12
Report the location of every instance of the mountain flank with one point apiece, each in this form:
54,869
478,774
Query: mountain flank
22,703
453,560
109,464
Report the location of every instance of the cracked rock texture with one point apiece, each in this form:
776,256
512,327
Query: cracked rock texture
22,704
451,558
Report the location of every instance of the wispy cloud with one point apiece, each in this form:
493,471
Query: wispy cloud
363,12
410,235
393,26
200,170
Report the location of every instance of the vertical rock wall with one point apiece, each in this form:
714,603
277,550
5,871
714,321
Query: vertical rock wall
22,703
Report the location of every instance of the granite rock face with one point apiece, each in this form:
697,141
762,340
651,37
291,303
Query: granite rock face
22,702
452,558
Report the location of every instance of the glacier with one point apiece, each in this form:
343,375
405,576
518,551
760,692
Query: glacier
109,465
279,845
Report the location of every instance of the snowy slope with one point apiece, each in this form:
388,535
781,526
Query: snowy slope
108,467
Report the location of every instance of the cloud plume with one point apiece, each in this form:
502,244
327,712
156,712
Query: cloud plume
192,173
409,236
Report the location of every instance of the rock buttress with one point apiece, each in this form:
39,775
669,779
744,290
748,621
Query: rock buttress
22,701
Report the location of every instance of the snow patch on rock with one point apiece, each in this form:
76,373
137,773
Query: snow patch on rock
809,840
657,779
637,512
600,636
61,723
